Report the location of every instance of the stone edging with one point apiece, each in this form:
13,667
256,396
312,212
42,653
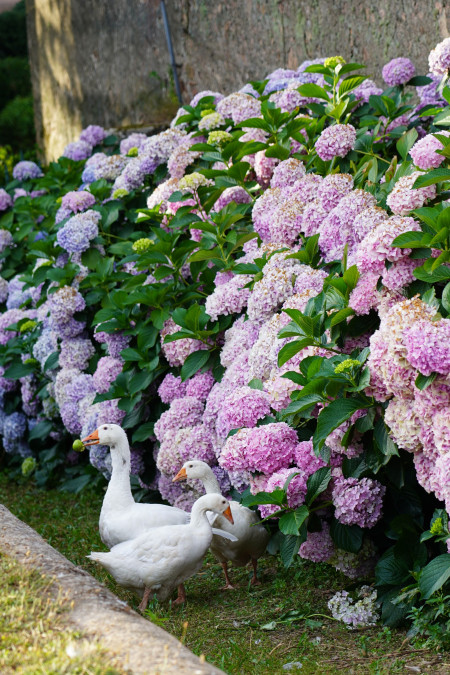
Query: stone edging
137,645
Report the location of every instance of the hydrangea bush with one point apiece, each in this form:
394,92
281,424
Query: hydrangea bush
264,286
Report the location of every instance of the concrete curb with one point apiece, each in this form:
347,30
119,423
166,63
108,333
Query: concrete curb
136,644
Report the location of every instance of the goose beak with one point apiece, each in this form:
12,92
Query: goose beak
228,515
92,439
181,475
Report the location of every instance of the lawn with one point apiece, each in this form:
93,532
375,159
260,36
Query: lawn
271,628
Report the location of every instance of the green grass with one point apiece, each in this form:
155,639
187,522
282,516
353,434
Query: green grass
33,640
227,626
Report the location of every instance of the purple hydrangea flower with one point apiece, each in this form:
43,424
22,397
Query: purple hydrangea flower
64,303
177,352
77,150
287,172
107,370
132,141
439,58
171,388
93,135
183,412
336,141
398,71
75,353
424,154
5,200
266,449
75,236
6,240
404,198
110,413
242,408
200,385
358,502
78,200
428,346
25,169
319,546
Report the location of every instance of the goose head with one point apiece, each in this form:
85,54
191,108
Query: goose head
107,434
194,468
216,503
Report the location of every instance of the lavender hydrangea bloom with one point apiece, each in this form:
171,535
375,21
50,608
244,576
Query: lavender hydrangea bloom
45,345
110,413
75,236
398,71
200,385
203,94
77,150
5,200
93,135
267,449
358,502
3,289
439,58
183,412
171,388
64,303
239,107
14,428
75,353
6,240
107,370
335,141
115,342
424,154
404,198
319,546
16,293
134,140
177,352
242,408
78,200
367,89
235,194
427,346
25,170
287,172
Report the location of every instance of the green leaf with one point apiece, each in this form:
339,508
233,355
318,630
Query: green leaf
334,415
256,384
41,430
289,546
423,381
350,83
313,91
431,177
292,348
446,298
18,370
278,151
140,382
441,274
278,497
383,440
434,575
143,432
291,522
405,142
130,354
51,361
419,81
194,362
409,239
341,316
317,483
347,537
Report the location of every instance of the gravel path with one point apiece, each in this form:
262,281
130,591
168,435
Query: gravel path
139,646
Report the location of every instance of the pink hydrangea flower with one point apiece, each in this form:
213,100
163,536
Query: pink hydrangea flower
336,141
358,502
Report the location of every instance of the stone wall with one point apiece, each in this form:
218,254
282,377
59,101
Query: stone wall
107,62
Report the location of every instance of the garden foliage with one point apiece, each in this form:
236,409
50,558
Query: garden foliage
264,286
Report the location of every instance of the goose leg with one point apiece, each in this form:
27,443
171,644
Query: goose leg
254,580
181,595
143,605
228,585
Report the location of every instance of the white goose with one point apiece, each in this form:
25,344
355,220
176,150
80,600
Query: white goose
161,559
252,536
121,518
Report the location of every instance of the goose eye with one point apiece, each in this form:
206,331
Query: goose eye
105,428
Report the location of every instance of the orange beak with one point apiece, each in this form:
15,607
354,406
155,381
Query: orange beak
92,439
181,475
228,515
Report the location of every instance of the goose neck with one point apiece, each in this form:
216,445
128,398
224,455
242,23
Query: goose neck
210,483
